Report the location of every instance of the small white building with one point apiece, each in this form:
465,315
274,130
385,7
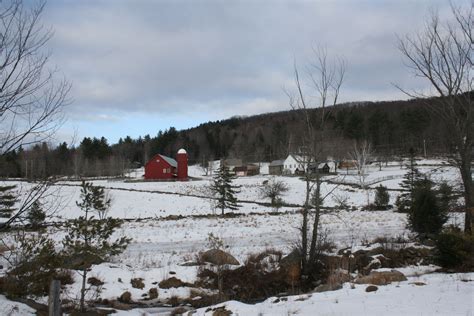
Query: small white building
294,163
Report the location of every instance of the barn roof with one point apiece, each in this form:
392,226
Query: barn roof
169,160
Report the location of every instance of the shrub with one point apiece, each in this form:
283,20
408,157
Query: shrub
455,250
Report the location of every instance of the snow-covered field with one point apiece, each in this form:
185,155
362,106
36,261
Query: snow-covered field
442,294
161,243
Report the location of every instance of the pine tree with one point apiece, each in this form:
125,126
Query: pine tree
36,215
7,200
446,197
382,198
224,190
411,180
426,216
87,241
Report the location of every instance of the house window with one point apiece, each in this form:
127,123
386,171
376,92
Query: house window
164,170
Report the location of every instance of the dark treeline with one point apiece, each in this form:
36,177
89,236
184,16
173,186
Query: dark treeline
391,127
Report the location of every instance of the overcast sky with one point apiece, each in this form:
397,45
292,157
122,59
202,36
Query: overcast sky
141,66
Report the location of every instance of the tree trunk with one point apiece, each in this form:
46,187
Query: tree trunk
304,228
314,237
466,175
83,290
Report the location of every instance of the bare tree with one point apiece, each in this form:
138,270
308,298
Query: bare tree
362,154
31,99
442,53
274,190
325,78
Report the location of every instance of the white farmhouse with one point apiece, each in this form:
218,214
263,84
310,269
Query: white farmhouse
293,163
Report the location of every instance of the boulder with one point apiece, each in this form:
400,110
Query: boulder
291,267
292,258
327,287
171,282
137,283
126,297
219,257
94,281
381,278
371,288
153,293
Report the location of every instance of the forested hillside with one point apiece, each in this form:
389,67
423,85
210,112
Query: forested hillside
391,127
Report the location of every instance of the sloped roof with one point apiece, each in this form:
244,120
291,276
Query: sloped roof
277,163
169,160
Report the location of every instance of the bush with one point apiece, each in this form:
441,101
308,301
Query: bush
426,216
455,250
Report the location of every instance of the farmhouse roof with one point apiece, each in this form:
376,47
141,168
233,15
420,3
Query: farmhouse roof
275,163
169,160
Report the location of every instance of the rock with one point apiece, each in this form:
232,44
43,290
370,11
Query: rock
327,287
344,251
418,283
339,277
219,257
126,297
153,293
381,278
371,288
94,281
374,264
293,257
291,267
171,282
172,272
361,260
190,264
119,305
221,311
137,283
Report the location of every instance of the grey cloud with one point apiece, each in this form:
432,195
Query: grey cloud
226,58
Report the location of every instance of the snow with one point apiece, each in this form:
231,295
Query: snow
8,307
443,294
169,223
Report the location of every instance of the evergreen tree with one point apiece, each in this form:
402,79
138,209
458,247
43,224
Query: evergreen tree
411,180
382,198
445,196
36,215
224,190
87,241
426,216
7,200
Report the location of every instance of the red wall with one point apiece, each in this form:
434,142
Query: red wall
154,169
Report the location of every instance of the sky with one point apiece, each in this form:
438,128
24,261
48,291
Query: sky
137,67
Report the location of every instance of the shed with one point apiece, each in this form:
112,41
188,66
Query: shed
276,167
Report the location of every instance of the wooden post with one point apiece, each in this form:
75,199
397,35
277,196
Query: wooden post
54,302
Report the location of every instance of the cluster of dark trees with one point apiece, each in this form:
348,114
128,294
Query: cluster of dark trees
391,127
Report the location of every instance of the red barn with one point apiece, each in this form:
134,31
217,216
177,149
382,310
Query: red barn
163,167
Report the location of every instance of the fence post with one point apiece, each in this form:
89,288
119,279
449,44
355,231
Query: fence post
54,302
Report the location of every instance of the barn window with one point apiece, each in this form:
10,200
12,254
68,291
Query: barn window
164,170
